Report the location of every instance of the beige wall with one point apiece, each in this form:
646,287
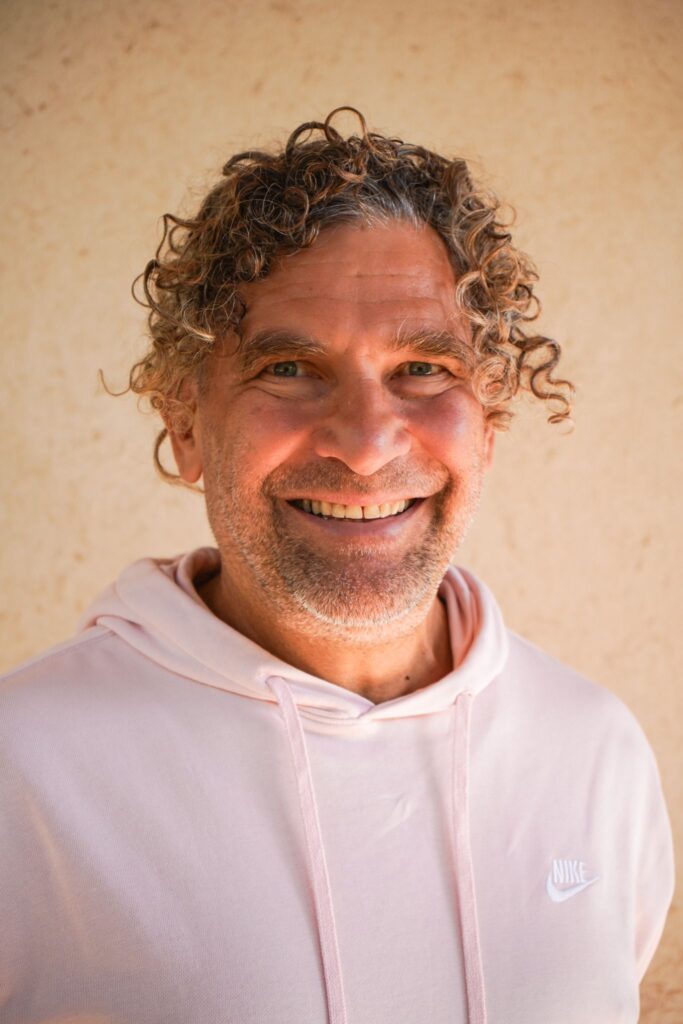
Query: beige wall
112,108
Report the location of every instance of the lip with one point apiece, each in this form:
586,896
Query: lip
357,529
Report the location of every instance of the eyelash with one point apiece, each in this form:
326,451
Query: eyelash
414,362
282,362
421,362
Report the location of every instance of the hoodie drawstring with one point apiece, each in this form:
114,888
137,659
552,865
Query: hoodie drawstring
464,870
317,865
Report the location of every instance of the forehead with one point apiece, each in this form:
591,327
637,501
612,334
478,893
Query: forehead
357,279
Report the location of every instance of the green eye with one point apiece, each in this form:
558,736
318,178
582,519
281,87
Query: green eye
286,369
420,369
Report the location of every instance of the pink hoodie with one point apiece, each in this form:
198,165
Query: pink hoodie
194,832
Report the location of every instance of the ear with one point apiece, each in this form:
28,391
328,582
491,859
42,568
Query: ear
184,432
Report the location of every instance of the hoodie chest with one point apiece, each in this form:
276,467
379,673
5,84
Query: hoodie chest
179,866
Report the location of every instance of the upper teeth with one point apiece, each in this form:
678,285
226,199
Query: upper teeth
326,508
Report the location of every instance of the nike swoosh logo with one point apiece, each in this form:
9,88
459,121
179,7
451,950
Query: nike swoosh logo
560,895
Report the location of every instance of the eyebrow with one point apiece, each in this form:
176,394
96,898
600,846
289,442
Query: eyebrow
430,342
267,343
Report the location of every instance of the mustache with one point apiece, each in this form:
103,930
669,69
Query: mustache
334,476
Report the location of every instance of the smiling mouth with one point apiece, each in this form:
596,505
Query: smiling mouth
330,510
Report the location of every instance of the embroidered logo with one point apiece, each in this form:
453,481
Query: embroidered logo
567,878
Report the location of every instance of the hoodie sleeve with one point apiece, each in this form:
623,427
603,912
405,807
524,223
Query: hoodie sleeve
655,881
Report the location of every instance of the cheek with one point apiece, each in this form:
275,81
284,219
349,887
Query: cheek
450,426
258,435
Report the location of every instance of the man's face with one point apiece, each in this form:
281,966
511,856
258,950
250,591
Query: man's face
346,388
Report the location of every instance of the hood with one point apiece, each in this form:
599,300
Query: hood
154,607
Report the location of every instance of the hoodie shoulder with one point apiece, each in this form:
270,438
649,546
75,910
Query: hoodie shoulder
54,673
559,697
559,679
48,694
54,659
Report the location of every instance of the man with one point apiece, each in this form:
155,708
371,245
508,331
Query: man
309,775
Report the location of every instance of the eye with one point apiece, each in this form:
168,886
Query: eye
419,369
287,368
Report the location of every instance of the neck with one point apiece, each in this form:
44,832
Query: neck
379,668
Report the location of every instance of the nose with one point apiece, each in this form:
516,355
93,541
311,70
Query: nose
364,429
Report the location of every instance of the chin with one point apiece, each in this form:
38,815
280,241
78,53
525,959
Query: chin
358,598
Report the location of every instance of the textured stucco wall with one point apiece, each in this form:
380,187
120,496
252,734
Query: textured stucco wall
114,112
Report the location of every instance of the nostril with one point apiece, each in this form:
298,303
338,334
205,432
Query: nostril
363,451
